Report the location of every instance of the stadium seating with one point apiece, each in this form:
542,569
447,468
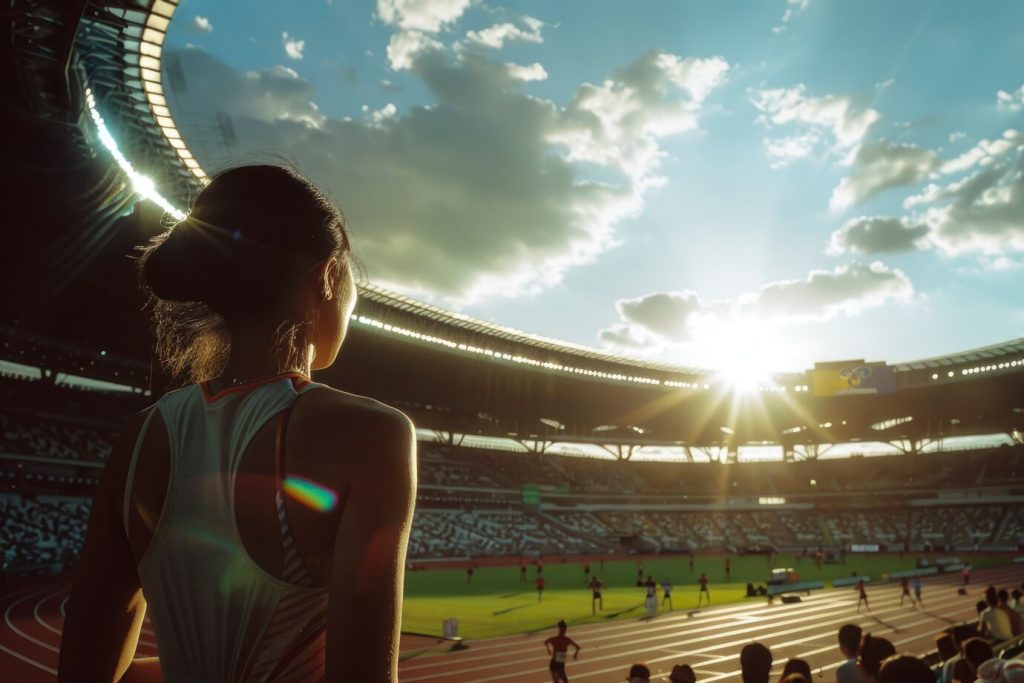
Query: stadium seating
40,533
472,501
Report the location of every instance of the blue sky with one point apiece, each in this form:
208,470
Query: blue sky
760,184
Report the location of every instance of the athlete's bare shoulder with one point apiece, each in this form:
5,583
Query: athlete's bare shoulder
332,417
333,405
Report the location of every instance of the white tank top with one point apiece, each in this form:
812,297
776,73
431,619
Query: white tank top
217,615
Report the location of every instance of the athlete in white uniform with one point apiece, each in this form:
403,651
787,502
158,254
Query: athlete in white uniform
264,517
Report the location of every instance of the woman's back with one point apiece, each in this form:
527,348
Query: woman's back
246,582
234,619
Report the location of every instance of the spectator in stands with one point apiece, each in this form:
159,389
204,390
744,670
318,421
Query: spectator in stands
1001,671
976,651
849,646
682,673
872,652
796,667
1016,601
905,669
639,673
251,293
948,655
1016,624
993,622
755,663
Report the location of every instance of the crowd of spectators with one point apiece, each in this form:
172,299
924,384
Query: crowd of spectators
962,656
438,533
20,435
41,532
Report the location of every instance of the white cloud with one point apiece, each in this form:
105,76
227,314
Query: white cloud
887,83
985,214
876,235
405,47
429,16
381,115
957,136
478,194
200,24
292,47
794,8
617,123
495,36
531,72
1010,101
881,165
784,151
985,152
661,319
415,20
840,115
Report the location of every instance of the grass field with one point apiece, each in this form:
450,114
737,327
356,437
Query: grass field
497,603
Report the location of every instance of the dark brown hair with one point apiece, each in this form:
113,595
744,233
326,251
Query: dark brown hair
241,254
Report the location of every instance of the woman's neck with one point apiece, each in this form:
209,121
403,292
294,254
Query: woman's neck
252,356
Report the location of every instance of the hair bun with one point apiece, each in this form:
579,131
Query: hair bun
175,268
250,233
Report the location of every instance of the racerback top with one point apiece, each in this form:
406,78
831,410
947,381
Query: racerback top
217,615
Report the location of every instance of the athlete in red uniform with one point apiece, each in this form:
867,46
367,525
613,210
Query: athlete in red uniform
540,588
863,595
558,647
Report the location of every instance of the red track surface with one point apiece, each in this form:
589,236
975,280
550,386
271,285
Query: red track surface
709,640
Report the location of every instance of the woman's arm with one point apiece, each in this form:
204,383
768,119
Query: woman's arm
106,608
368,568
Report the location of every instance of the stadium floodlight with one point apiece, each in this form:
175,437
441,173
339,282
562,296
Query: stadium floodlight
143,185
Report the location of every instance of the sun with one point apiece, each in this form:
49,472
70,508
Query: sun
744,353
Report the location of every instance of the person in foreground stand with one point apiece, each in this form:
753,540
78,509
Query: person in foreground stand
639,673
755,663
260,517
849,646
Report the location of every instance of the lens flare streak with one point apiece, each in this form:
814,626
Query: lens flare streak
310,493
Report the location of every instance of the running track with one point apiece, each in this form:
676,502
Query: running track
709,640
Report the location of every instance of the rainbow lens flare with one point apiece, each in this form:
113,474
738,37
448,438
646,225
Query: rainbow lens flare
310,493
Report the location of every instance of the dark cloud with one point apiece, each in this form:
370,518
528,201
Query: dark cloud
824,294
470,196
664,314
877,235
879,166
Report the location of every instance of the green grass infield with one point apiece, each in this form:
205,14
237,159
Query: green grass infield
497,603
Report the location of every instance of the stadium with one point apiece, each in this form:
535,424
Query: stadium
535,456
